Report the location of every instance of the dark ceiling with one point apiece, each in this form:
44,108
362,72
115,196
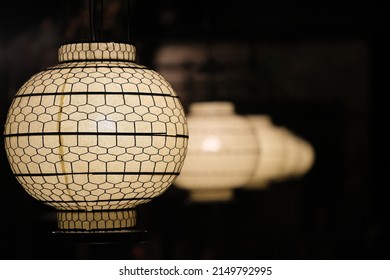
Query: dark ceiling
329,227
279,19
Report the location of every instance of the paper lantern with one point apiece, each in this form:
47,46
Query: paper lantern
95,136
306,158
222,152
271,153
298,156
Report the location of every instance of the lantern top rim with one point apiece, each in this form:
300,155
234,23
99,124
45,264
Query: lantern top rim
86,51
212,108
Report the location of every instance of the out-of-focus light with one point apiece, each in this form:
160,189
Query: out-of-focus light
211,144
222,152
299,156
271,152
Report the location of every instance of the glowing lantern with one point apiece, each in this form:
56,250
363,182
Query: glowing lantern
271,151
222,152
298,156
95,136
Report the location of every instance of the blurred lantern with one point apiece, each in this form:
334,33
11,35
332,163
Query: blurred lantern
95,136
271,151
222,152
306,158
298,156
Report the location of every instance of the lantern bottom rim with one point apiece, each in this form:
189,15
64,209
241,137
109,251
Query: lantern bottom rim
211,195
102,220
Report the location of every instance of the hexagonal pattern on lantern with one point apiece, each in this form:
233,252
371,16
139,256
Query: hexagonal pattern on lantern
89,135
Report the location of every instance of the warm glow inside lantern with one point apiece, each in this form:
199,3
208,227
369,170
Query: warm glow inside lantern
222,152
95,136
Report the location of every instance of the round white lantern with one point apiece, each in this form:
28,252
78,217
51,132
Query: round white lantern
222,152
271,154
95,136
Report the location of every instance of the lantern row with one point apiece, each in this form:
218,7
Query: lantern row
228,151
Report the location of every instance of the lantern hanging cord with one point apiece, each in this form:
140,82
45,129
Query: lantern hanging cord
92,33
128,21
95,20
100,34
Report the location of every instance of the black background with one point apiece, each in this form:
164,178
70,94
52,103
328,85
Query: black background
337,211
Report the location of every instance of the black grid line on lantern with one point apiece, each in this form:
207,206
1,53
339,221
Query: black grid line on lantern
96,134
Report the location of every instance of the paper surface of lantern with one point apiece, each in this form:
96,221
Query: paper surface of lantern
95,136
298,156
271,152
221,154
306,158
